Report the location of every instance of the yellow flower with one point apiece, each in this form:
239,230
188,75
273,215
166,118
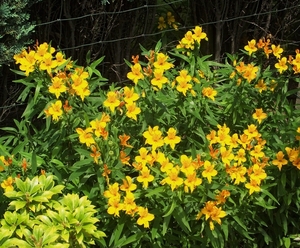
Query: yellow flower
98,126
129,206
27,62
280,160
188,40
129,95
42,50
172,139
251,47
159,79
145,177
251,132
191,182
249,72
86,136
183,79
57,86
259,115
226,155
128,185
145,217
165,164
213,212
55,110
47,63
161,23
261,85
112,101
209,92
162,63
154,137
132,110
258,174
257,152
114,206
144,157
198,34
172,178
135,73
209,171
292,153
277,51
240,156
253,186
60,59
170,18
187,165
112,192
7,184
281,65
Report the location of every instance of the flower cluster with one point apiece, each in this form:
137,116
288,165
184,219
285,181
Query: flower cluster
117,202
64,80
268,48
126,96
192,39
167,20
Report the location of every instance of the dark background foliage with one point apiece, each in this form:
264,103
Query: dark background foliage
116,28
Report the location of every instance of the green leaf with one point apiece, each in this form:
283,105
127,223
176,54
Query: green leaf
117,231
171,209
33,162
237,219
181,218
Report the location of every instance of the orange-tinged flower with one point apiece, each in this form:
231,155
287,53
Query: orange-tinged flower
95,154
123,140
145,177
135,59
212,137
7,184
259,115
251,47
136,73
124,158
222,196
112,101
172,139
106,172
245,140
170,18
280,160
213,152
209,92
212,212
145,217
209,171
172,178
67,107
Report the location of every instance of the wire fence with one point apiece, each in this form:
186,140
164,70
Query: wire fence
146,8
